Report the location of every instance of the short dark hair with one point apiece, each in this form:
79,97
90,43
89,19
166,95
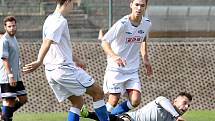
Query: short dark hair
9,18
61,2
188,95
145,0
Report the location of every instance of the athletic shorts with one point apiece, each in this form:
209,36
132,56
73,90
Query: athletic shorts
67,81
12,92
116,82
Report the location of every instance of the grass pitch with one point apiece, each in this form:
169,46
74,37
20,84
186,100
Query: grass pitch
203,115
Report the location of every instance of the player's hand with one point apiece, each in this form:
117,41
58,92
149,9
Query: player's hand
31,67
12,82
148,66
121,62
180,119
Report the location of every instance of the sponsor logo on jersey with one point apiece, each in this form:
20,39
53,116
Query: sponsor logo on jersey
128,32
136,39
140,31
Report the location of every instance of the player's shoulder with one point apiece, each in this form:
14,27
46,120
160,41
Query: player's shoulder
5,37
124,20
55,17
146,19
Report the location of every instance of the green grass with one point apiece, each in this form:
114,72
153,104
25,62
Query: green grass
200,116
189,116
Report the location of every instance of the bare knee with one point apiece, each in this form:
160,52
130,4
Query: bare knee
135,102
23,99
135,98
96,92
113,99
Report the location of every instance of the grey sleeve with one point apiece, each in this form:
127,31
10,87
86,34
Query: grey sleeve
167,105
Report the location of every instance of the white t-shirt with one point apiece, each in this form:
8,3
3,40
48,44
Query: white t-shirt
125,40
60,52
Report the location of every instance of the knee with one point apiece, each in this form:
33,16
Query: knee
96,92
99,94
23,100
113,101
135,102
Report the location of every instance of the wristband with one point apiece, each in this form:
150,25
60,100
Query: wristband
10,75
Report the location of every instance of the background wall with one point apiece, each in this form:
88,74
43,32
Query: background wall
178,66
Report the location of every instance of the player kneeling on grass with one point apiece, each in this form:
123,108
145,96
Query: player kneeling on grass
160,109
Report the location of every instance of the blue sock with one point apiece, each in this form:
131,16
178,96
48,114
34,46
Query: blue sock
101,110
73,114
3,109
120,108
7,113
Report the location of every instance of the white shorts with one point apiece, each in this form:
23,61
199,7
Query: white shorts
116,82
66,81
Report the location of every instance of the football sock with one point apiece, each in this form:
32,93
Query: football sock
122,107
73,114
101,110
109,107
7,113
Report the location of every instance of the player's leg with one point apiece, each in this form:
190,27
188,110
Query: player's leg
133,88
74,112
65,86
113,99
85,113
97,94
8,95
21,95
113,86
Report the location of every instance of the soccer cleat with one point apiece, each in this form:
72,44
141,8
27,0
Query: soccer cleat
84,111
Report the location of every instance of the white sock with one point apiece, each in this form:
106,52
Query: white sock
109,107
129,105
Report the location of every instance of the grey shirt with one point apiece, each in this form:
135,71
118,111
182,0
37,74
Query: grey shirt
9,49
151,112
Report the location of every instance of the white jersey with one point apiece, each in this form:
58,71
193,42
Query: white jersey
60,52
125,40
152,112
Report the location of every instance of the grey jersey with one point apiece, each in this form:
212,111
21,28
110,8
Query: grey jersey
151,112
9,49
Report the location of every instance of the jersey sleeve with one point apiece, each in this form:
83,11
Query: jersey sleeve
114,31
167,105
54,32
4,46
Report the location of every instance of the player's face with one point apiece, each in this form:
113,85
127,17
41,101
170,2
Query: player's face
138,7
10,27
182,103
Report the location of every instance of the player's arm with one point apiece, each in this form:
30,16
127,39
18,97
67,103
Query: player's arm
180,119
108,50
167,105
9,72
42,52
144,54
